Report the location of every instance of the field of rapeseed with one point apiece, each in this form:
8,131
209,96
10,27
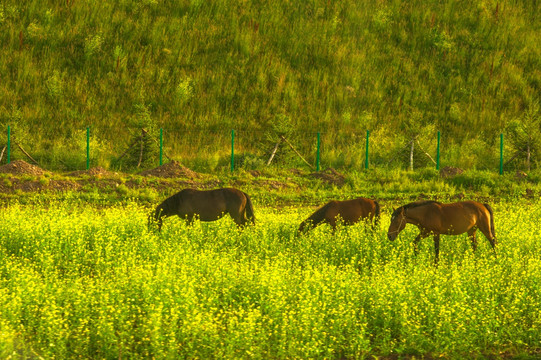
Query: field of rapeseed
90,282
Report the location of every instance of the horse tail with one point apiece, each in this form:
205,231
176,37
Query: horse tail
377,214
249,209
491,220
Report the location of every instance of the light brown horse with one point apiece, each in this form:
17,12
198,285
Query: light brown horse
350,211
206,205
435,218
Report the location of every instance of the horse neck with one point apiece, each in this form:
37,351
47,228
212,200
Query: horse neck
319,215
413,215
313,220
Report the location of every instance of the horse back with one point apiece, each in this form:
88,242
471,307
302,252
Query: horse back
351,211
368,208
208,205
212,204
234,197
461,216
476,208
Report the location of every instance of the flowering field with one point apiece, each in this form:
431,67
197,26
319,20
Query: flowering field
89,282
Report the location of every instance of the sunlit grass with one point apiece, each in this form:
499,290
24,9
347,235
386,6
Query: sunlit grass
88,282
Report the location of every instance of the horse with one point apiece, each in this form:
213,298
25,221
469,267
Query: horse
435,218
350,211
207,205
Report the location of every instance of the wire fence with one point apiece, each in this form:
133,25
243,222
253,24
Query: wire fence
234,149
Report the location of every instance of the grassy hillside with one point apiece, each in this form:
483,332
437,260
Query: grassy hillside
200,68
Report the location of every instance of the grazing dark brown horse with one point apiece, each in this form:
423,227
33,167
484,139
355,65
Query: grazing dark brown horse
350,211
435,218
206,205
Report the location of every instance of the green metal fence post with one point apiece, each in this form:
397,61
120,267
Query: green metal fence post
9,145
438,152
367,147
88,147
317,154
232,150
161,147
501,153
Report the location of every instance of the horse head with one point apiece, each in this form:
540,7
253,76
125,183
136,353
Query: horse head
398,223
155,219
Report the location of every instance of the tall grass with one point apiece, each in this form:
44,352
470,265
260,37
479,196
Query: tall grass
467,68
94,283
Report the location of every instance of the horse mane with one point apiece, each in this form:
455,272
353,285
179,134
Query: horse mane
319,214
169,205
415,204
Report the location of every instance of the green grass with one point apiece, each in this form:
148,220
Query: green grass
92,282
275,187
200,68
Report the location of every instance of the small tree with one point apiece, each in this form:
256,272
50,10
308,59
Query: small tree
143,150
525,134
412,127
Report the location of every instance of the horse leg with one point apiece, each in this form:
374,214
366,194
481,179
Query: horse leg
332,223
421,235
437,247
239,218
471,235
416,244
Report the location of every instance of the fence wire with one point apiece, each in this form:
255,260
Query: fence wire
251,149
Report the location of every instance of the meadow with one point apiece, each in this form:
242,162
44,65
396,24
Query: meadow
84,281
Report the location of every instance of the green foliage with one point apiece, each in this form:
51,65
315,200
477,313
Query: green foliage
525,135
143,147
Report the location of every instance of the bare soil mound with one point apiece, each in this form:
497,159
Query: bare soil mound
97,171
53,185
331,176
450,171
519,175
20,167
172,169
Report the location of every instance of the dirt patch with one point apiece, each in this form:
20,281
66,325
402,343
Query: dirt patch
296,171
37,186
172,169
331,176
450,171
262,183
274,185
520,175
21,167
97,171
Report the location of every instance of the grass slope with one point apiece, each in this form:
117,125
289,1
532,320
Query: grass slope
397,68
